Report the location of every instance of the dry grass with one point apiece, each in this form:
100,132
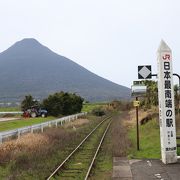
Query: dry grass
121,123
154,112
77,123
28,144
38,143
120,140
131,117
28,141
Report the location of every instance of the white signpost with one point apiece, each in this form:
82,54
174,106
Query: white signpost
166,105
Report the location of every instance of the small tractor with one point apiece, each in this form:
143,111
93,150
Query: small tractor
35,111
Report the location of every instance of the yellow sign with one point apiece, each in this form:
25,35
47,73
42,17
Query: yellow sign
136,103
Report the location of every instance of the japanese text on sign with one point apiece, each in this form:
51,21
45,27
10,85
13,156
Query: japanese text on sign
168,100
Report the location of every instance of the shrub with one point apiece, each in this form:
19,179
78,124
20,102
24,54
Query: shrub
99,111
63,103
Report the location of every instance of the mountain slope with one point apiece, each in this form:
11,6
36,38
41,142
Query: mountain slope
28,67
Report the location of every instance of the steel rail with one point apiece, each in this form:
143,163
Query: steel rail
92,162
68,157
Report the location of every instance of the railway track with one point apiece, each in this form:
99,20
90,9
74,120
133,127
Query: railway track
79,162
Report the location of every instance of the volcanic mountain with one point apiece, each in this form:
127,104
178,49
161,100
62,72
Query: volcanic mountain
28,67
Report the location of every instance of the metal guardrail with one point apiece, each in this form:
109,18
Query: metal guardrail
18,132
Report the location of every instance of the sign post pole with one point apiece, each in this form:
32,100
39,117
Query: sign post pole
137,125
138,89
166,105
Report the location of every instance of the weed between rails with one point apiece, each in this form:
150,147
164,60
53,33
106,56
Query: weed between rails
78,164
102,168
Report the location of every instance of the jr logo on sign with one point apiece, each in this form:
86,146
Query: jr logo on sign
166,57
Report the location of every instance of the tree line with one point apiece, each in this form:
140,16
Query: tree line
60,103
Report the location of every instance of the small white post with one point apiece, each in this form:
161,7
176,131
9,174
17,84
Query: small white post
42,129
19,133
1,139
31,129
49,124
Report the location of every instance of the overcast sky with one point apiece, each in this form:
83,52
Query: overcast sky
108,37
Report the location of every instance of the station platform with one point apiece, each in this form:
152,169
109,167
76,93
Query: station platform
146,169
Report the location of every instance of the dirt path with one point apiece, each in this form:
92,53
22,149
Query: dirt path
8,119
120,142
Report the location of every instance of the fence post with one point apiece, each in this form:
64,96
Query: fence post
31,129
19,133
56,123
49,124
42,128
1,139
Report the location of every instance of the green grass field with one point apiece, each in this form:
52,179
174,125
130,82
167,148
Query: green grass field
90,106
6,109
9,125
149,141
